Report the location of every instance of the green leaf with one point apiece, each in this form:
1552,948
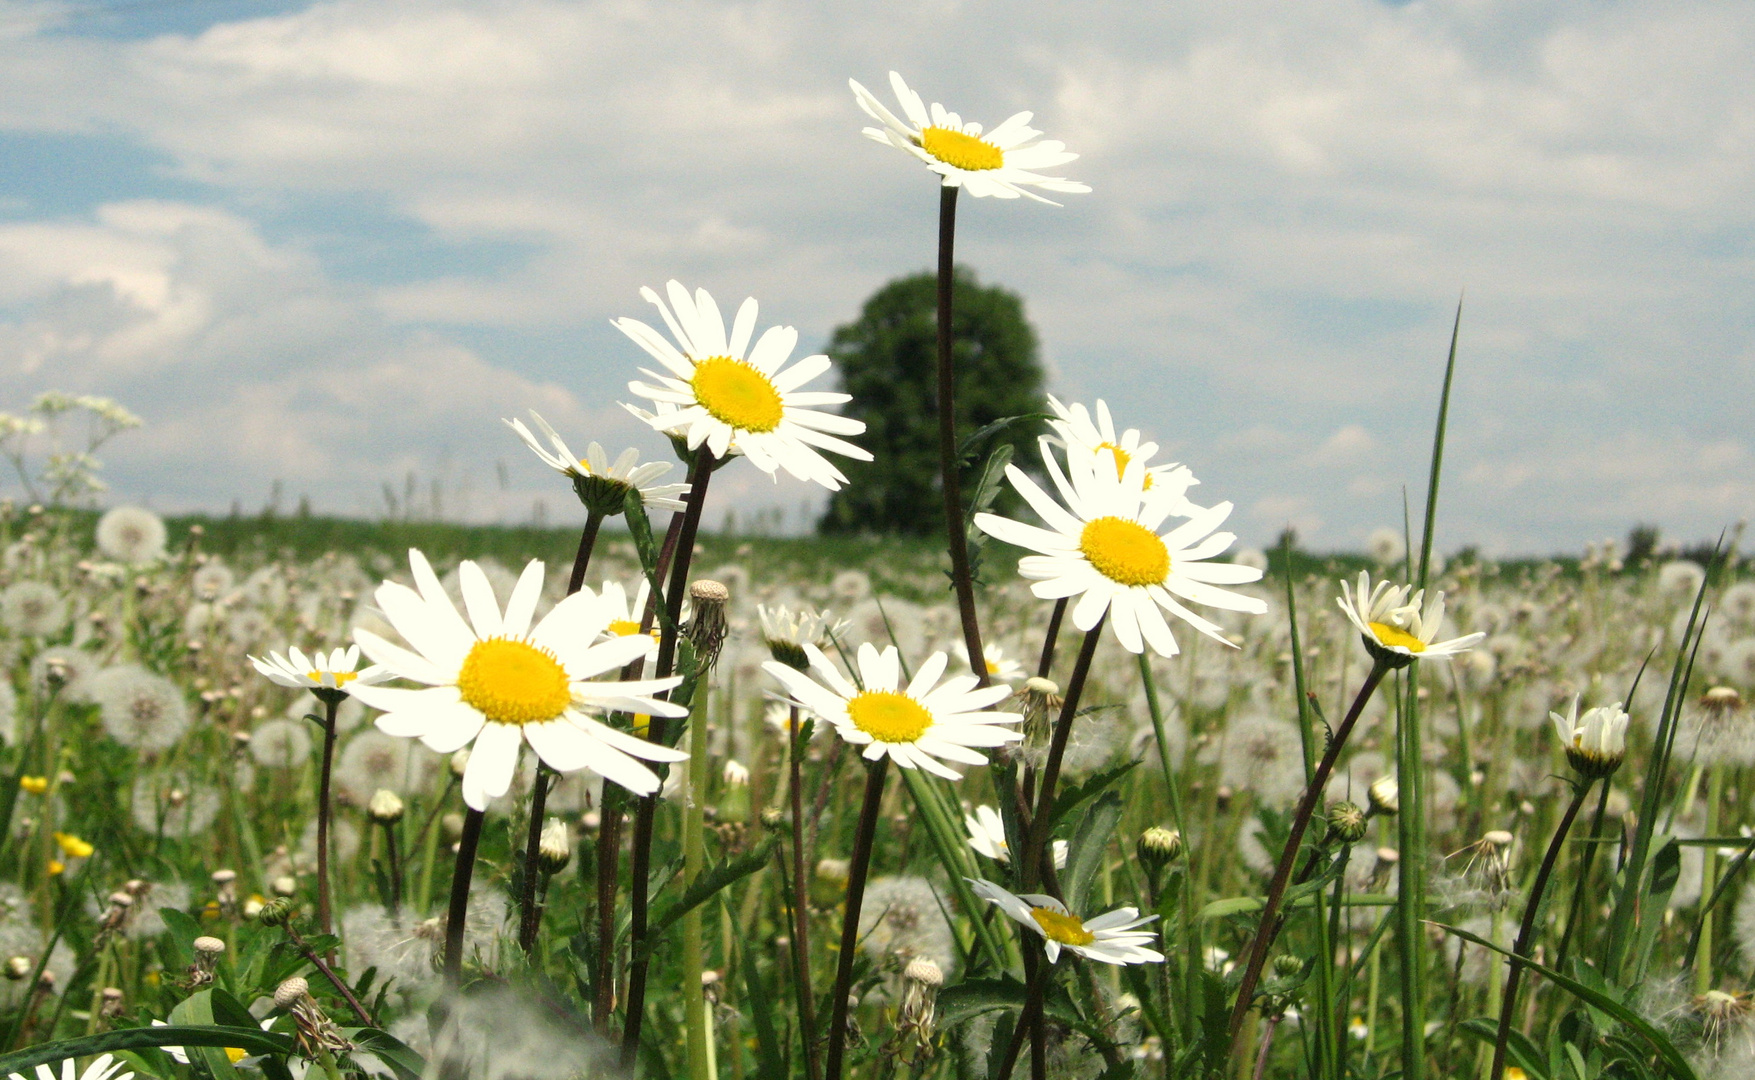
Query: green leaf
973,442
1071,796
188,1036
180,933
640,528
403,1061
770,1065
1666,1050
198,1009
1085,851
721,875
973,997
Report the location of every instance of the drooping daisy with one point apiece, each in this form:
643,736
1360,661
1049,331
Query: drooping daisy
1103,546
1109,938
331,671
497,682
1399,630
601,483
987,835
787,632
920,725
1001,163
1594,743
1079,432
731,395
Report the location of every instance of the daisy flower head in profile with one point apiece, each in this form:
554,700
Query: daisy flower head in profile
1397,627
1000,667
1002,163
987,836
493,681
1078,432
1596,742
1110,938
1103,546
328,675
922,724
786,632
734,396
600,483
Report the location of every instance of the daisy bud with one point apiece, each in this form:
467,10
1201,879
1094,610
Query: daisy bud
1596,742
772,819
385,807
556,846
460,762
1385,795
1286,965
735,773
1158,847
291,992
1346,822
18,968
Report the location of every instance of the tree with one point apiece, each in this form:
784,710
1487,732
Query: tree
888,361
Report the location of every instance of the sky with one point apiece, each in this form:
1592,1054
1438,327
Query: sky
321,248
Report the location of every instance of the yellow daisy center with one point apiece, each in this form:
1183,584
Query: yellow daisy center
888,716
235,1054
623,627
737,394
1394,635
1122,457
513,682
963,151
342,678
1125,551
1066,929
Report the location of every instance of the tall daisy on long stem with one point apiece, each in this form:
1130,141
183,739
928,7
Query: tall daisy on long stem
328,677
1397,626
603,487
920,724
1001,163
720,395
496,682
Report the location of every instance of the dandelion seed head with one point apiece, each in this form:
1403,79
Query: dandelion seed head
131,535
140,710
33,609
74,669
1386,546
1263,755
281,743
904,917
1679,579
174,806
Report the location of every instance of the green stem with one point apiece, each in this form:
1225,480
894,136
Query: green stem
1527,930
694,862
807,1020
1035,865
857,868
1715,797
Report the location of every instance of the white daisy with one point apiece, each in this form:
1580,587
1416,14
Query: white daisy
999,665
102,1067
1079,433
735,396
625,615
920,725
987,835
594,475
497,682
1104,547
1001,163
334,670
1596,742
1398,630
1109,938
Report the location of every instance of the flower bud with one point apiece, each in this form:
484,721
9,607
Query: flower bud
706,629
772,819
924,971
459,762
1158,847
208,946
275,912
1286,965
555,849
18,968
1346,822
1385,795
385,807
1594,743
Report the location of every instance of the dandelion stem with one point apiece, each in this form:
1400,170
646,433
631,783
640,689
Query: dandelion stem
331,703
459,910
807,1021
1527,930
856,872
956,537
528,913
640,860
694,863
1702,953
1265,928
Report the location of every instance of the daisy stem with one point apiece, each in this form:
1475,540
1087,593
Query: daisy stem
459,910
331,703
587,540
1268,925
807,1021
856,873
640,860
694,863
1527,930
1050,639
955,530
1034,864
1027,1017
529,915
